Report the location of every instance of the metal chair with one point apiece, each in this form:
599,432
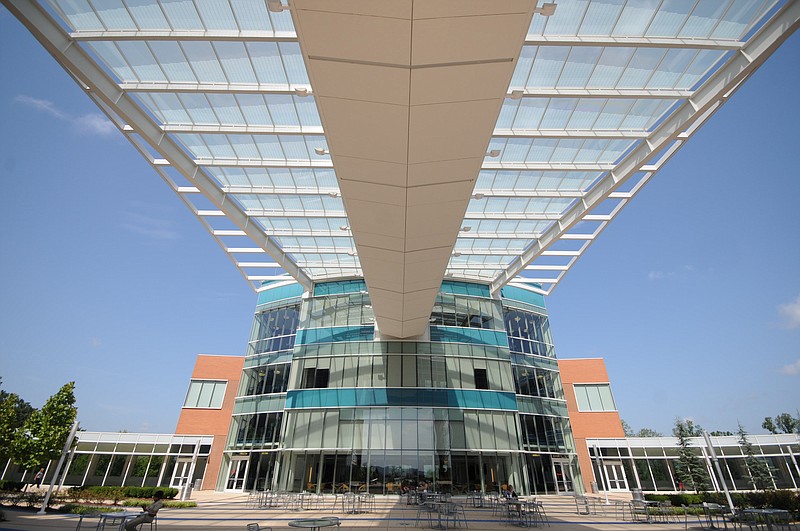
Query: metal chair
425,509
256,527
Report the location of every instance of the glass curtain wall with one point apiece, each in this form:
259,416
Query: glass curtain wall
326,406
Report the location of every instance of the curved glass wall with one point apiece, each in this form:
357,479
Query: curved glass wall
477,406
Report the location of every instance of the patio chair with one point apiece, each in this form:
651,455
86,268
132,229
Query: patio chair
256,527
582,505
640,511
623,508
542,513
425,509
454,512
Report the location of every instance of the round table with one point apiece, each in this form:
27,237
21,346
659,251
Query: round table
315,523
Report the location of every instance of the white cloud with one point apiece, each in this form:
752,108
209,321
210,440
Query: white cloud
42,105
92,123
95,342
149,226
661,275
793,369
791,313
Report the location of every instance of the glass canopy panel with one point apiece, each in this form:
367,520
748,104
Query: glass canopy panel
600,114
504,228
283,178
522,181
491,245
265,147
299,205
276,63
296,225
518,206
719,19
342,244
179,15
319,205
590,67
560,151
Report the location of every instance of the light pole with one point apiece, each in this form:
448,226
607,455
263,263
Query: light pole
64,452
719,471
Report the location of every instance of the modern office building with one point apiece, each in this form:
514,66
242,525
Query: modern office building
402,182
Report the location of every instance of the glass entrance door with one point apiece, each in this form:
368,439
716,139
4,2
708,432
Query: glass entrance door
237,472
563,476
615,475
180,475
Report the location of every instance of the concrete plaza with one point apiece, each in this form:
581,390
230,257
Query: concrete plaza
224,511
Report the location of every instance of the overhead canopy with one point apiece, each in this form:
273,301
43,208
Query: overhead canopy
408,141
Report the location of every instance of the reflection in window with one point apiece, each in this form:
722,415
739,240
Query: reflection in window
314,378
481,379
594,397
274,330
267,379
205,393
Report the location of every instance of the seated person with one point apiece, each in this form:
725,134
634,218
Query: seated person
511,493
149,513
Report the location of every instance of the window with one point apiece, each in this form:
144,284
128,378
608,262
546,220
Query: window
315,378
206,393
481,380
594,397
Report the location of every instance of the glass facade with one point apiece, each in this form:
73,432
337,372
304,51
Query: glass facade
324,405
649,463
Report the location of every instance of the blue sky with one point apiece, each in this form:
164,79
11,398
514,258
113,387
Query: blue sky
692,295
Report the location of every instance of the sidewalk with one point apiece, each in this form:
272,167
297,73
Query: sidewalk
229,512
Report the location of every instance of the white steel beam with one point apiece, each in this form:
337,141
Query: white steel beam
226,88
546,166
607,93
699,107
568,133
243,129
266,190
550,194
185,35
75,59
263,163
632,42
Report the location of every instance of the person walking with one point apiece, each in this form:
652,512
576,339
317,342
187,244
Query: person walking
38,478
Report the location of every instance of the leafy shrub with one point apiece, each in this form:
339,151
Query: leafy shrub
74,508
171,504
6,484
32,499
147,492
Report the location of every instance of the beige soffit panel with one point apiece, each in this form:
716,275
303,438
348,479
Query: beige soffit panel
408,92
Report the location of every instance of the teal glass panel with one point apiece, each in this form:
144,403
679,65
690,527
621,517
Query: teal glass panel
523,295
259,404
335,334
465,288
289,291
540,406
454,334
404,397
336,288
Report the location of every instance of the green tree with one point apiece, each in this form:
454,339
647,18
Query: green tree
786,422
717,433
13,413
648,432
689,467
44,433
22,409
756,468
769,425
626,428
